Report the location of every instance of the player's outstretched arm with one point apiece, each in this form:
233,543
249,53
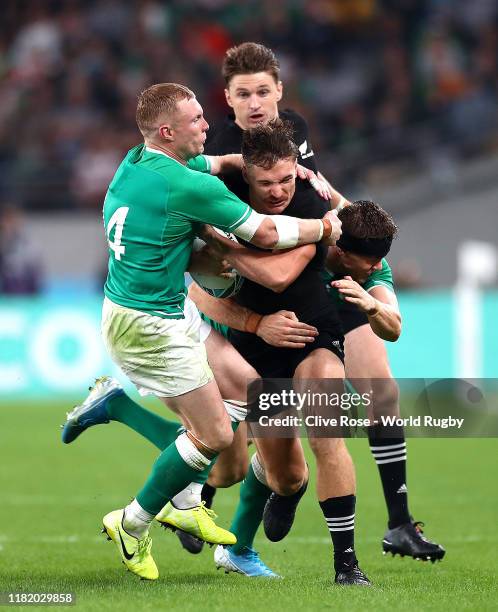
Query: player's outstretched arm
337,200
283,232
379,304
275,271
281,329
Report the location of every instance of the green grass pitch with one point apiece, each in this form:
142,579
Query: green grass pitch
54,496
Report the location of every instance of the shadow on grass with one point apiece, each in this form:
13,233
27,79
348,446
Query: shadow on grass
57,580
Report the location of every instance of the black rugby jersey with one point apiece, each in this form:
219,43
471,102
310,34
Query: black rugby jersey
227,138
307,295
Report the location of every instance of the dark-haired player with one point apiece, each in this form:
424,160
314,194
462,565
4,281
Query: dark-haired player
292,283
253,90
360,283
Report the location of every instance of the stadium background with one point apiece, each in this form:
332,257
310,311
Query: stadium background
401,98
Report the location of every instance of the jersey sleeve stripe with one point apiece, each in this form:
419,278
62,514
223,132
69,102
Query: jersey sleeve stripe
377,283
241,219
207,159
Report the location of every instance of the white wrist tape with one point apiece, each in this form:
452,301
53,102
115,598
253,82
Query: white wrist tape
247,229
287,230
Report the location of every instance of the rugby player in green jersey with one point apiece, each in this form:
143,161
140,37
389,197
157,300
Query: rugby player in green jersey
161,190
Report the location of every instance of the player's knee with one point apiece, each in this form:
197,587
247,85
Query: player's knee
286,482
238,383
220,439
329,449
225,439
230,475
385,397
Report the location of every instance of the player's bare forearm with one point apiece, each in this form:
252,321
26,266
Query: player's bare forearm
309,231
290,232
283,232
224,164
385,318
385,321
275,271
330,224
281,329
337,200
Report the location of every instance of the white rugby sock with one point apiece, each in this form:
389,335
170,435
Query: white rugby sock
136,520
259,470
190,453
190,497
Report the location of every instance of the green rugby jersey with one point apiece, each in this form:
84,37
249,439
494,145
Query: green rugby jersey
219,327
383,277
150,210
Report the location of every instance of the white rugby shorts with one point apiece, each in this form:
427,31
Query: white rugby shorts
162,357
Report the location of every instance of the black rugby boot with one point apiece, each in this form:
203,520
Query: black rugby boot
189,542
408,539
279,513
347,573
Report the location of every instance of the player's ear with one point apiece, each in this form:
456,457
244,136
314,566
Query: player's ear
228,98
244,173
280,91
167,133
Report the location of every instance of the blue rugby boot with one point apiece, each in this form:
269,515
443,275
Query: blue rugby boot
93,410
246,562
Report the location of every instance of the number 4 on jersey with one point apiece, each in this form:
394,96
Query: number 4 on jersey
118,219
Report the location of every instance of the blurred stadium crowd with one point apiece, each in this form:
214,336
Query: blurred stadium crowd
383,83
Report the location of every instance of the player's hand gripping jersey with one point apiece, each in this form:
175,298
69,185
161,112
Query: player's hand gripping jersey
352,317
382,277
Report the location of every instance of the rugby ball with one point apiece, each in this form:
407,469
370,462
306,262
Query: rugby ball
217,286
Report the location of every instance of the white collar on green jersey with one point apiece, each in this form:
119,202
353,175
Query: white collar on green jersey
159,152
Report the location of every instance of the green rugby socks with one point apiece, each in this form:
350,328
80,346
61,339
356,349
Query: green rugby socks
176,467
249,513
158,430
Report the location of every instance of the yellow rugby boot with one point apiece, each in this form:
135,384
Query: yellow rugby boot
198,521
134,552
